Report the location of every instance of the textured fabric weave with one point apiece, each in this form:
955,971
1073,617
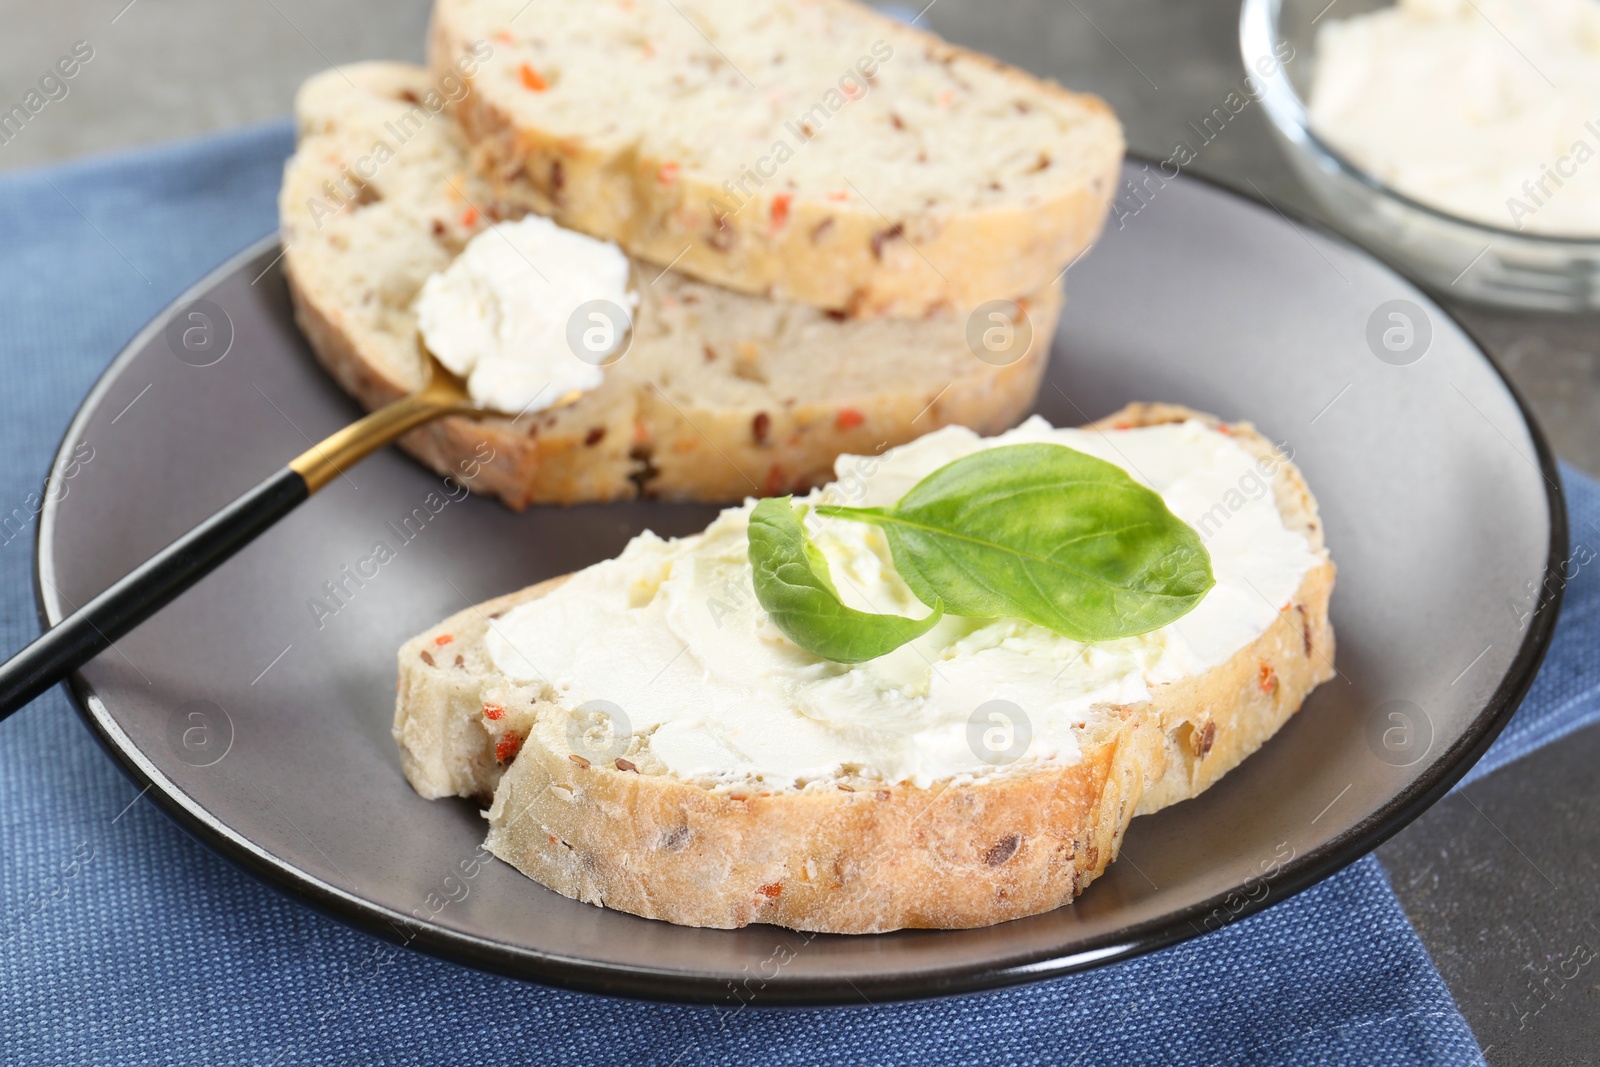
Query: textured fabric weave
1566,694
123,941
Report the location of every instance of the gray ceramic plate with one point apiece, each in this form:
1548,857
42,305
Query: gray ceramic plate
1441,508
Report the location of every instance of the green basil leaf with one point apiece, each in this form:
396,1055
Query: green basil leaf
793,586
1044,533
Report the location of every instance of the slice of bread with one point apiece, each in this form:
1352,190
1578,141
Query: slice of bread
808,150
719,396
851,855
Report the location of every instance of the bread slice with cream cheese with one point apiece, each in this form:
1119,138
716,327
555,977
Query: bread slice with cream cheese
720,395
808,150
855,809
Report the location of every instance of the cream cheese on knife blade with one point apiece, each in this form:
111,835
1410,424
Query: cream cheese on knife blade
500,315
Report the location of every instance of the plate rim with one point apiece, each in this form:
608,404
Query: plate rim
653,984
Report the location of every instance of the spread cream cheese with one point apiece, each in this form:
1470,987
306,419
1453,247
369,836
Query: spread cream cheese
671,631
500,314
1486,109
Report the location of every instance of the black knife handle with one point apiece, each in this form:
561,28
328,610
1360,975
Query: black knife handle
94,627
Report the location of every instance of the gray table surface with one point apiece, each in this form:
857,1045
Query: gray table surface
1498,879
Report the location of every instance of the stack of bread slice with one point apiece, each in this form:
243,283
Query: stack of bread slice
829,215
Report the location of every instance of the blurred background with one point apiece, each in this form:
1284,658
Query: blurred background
164,69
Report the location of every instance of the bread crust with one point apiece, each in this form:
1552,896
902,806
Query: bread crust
848,258
635,436
698,454
852,857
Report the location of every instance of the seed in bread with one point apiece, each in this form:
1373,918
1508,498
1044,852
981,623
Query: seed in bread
720,395
809,150
865,804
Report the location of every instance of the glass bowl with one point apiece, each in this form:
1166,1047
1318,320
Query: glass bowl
1456,257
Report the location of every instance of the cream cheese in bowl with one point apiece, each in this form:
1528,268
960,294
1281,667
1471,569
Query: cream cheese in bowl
1485,109
501,315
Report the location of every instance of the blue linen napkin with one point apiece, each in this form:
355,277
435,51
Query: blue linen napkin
123,941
